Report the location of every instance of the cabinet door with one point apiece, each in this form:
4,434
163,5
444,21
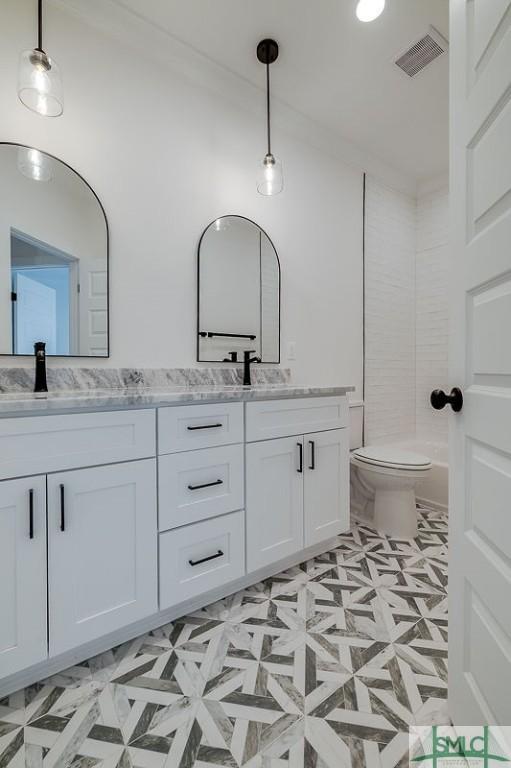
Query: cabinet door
274,501
102,532
23,634
326,485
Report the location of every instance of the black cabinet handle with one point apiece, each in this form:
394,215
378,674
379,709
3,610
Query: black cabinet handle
31,513
205,485
439,399
312,444
300,454
193,563
62,509
205,426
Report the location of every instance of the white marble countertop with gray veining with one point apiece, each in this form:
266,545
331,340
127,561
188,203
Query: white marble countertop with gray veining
74,401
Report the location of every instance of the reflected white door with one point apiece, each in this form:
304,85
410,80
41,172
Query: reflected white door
93,313
35,316
480,504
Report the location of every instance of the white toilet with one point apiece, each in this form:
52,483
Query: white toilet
391,473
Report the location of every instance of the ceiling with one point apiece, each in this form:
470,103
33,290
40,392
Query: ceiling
333,68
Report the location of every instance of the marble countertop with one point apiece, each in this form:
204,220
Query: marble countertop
73,401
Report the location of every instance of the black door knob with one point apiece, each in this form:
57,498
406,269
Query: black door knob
439,399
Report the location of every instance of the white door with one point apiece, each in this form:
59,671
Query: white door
93,308
35,317
102,536
274,500
326,497
480,503
23,639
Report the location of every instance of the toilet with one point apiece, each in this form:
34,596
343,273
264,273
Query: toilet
391,474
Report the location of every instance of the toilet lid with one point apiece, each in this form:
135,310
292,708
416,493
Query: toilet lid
392,456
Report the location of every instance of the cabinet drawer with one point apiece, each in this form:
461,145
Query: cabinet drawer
282,418
189,427
199,484
201,557
40,444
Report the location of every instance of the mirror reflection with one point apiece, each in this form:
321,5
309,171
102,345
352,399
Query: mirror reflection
239,293
53,258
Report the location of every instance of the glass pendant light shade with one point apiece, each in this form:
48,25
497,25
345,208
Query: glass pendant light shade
270,177
35,165
369,10
40,84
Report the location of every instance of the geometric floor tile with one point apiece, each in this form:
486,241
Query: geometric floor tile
325,665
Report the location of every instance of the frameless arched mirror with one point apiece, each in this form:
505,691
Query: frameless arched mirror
53,258
238,292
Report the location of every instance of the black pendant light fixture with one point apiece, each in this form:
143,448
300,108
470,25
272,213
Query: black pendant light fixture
39,81
270,180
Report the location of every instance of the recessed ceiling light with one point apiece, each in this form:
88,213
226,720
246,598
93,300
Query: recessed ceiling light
369,10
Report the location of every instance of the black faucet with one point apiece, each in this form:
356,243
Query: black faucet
40,367
247,382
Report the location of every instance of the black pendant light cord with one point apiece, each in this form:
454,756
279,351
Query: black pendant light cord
40,25
268,120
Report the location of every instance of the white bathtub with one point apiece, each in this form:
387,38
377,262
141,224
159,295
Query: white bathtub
434,490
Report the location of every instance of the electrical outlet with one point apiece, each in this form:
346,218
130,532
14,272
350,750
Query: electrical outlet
291,350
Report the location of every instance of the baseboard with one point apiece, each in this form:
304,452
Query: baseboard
59,663
433,505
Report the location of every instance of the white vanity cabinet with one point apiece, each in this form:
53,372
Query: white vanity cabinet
326,485
113,523
201,499
297,487
102,551
274,501
23,639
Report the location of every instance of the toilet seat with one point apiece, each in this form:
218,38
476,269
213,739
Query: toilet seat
392,457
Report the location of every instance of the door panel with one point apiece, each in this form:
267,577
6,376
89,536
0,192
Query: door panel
23,640
102,551
274,501
326,498
480,437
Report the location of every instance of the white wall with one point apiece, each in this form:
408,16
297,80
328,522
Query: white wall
167,156
390,314
432,319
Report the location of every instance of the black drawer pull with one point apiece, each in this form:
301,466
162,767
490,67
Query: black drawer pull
205,485
62,509
205,426
31,513
312,444
193,563
300,455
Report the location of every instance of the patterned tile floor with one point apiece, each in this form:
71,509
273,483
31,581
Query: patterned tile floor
323,666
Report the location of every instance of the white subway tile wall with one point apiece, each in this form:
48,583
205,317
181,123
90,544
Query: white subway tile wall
432,315
389,314
407,263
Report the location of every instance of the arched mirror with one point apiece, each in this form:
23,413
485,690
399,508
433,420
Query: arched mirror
53,258
238,292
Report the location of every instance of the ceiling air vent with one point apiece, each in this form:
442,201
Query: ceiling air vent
422,53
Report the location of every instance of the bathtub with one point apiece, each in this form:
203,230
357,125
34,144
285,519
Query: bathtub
434,490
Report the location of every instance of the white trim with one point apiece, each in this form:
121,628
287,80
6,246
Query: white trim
52,666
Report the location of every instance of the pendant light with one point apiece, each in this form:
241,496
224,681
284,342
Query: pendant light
270,180
369,10
39,82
